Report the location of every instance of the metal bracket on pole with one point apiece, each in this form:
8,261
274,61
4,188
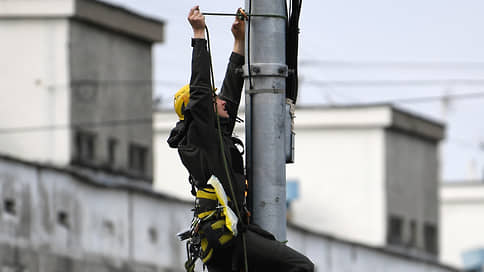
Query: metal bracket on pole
290,133
259,91
266,69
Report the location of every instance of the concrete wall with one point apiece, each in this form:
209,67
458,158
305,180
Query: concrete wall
462,210
333,255
34,76
61,221
412,184
111,81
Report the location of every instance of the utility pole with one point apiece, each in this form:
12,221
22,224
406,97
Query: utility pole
265,88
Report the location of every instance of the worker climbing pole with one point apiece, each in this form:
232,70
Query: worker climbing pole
222,234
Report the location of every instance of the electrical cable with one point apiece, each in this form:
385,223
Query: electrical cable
439,97
426,99
77,85
251,87
464,143
249,72
109,123
139,121
292,49
454,65
396,82
222,150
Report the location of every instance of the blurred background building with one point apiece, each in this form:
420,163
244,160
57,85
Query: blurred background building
76,141
367,174
462,210
63,58
88,183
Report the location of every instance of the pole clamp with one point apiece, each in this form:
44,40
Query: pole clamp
266,69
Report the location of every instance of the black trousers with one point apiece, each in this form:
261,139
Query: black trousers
264,255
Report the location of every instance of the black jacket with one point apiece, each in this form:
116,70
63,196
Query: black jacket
197,137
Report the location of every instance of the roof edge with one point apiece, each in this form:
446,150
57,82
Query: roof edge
102,14
120,19
378,115
379,249
84,177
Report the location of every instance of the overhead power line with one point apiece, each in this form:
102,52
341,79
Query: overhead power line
464,143
454,65
424,99
141,121
108,123
395,82
95,85
89,84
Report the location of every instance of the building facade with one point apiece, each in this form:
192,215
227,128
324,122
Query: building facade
77,76
55,219
369,174
462,212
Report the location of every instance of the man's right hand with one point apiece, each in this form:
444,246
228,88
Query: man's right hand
238,30
197,21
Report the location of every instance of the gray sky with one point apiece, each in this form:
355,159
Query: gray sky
354,51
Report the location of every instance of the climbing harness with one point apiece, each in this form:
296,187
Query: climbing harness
214,224
230,217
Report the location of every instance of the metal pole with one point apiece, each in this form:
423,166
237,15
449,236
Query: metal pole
265,115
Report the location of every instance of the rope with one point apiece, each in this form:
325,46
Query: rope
244,15
222,149
251,84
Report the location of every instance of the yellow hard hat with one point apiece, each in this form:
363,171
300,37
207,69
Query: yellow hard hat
181,100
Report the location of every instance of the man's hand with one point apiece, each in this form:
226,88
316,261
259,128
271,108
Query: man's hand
238,30
197,21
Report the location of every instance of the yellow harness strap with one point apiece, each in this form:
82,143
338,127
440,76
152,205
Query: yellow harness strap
230,217
207,193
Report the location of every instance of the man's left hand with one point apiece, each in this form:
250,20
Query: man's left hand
238,29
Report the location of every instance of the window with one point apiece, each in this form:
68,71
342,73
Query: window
108,228
153,235
412,241
85,145
430,236
395,230
63,219
137,158
9,206
112,145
